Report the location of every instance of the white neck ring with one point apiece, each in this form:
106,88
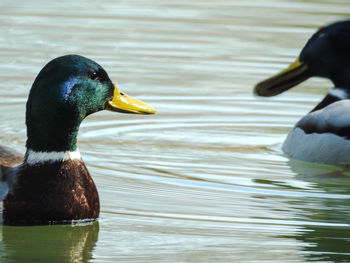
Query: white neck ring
33,157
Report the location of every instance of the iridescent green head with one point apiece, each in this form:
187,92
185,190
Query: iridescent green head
68,89
326,54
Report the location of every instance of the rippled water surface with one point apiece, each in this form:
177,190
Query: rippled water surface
204,180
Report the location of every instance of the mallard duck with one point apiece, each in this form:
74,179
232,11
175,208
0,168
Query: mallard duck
323,135
52,184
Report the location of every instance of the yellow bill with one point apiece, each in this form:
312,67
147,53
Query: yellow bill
126,104
291,76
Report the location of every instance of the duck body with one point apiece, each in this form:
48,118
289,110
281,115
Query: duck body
51,192
323,135
52,184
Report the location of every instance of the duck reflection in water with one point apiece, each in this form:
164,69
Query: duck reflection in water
325,212
56,243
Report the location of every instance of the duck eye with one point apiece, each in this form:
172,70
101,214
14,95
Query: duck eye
94,76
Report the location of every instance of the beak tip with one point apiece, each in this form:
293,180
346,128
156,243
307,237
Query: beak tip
260,91
256,90
153,111
150,111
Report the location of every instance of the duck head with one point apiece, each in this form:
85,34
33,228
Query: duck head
326,54
66,90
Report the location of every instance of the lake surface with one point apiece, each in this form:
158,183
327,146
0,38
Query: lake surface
203,180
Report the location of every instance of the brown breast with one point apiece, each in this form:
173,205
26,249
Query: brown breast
52,193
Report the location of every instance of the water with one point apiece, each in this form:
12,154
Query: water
204,180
